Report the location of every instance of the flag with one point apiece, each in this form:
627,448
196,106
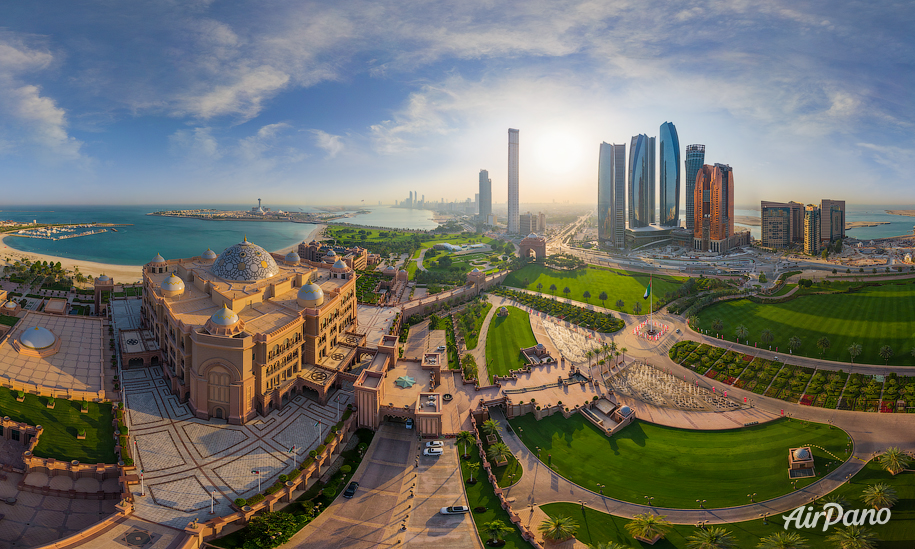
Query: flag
648,289
255,472
291,450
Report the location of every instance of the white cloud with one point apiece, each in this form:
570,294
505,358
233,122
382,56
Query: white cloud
197,144
329,143
243,97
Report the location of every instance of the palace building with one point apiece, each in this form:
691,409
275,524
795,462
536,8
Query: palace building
244,332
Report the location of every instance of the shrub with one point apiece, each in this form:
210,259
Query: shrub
283,478
320,449
20,394
128,462
330,493
294,474
240,502
307,463
255,499
345,469
329,438
274,489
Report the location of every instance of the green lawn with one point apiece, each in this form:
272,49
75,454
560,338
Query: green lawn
507,336
61,425
677,466
470,320
481,494
871,317
597,527
628,286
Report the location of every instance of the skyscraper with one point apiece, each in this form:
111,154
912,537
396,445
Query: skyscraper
611,195
670,176
812,229
695,159
777,224
832,217
485,195
641,181
713,201
513,202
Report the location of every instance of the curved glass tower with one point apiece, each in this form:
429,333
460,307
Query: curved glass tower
641,181
670,175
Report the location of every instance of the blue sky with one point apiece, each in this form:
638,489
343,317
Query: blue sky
320,103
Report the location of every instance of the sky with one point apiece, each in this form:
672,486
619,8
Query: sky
209,101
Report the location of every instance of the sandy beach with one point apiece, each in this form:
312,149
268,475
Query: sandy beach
120,273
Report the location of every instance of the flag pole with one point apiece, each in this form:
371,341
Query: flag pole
650,306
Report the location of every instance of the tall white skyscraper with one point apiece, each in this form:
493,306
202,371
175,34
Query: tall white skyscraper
514,211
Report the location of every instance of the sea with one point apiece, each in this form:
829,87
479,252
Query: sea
898,225
143,236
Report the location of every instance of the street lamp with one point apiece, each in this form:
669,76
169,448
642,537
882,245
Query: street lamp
751,496
601,487
701,503
649,498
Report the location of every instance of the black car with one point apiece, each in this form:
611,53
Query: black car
351,490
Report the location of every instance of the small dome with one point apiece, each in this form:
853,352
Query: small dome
339,264
402,271
532,235
474,270
293,257
172,284
625,411
103,278
209,254
158,259
802,454
390,269
224,317
331,253
245,262
310,295
37,338
9,305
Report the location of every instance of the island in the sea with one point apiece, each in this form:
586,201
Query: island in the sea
261,213
910,213
859,224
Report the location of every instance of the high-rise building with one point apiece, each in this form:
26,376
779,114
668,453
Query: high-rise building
812,229
532,223
777,224
713,202
695,159
797,222
641,181
485,195
832,215
513,200
670,176
611,195
410,204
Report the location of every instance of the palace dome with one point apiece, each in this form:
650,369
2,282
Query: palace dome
158,259
224,317
339,264
293,257
310,295
475,270
103,278
245,262
802,454
625,411
172,284
209,255
37,338
532,235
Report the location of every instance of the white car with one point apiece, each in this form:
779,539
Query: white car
455,510
433,452
435,444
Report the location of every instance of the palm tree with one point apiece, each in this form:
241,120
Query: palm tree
473,468
491,426
718,325
539,286
854,350
823,344
603,298
894,460
879,495
558,528
692,320
853,537
886,353
590,355
782,540
620,304
742,332
496,530
648,526
608,545
553,288
711,538
623,352
499,452
766,336
833,498
464,438
637,308
586,295
794,343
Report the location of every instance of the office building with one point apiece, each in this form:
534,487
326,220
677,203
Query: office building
611,195
532,223
777,224
670,176
513,191
485,200
713,219
695,159
641,181
812,229
832,219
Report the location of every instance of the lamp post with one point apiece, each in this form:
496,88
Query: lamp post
212,502
701,503
257,473
649,498
601,488
751,496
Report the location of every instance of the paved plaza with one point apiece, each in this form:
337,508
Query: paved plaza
126,313
185,459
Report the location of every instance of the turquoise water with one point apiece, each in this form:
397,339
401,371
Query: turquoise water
174,237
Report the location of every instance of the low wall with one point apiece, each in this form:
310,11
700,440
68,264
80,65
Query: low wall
82,538
72,469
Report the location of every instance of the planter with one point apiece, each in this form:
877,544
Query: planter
20,398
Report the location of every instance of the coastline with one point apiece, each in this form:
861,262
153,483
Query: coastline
122,274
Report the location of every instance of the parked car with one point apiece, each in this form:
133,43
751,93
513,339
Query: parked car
455,510
351,490
409,423
440,348
435,444
433,452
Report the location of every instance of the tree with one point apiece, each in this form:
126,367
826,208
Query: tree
879,495
620,304
823,344
833,498
894,460
465,438
590,355
853,537
742,332
271,530
499,452
886,353
718,325
711,538
782,540
586,295
637,308
603,298
490,426
692,320
473,468
445,262
648,526
539,286
553,288
794,343
854,350
496,530
766,336
566,291
825,253
558,528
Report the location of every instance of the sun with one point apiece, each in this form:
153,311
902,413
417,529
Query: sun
558,151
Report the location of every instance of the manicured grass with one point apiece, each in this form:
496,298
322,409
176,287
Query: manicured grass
507,336
471,320
481,494
784,290
872,317
678,466
61,425
628,286
8,320
597,527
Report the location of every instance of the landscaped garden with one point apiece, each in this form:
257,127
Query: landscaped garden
507,336
721,467
586,318
872,316
628,287
61,425
470,320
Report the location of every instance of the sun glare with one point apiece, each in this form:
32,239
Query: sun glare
557,152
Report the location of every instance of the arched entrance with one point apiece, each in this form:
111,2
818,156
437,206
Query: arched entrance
218,413
218,395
